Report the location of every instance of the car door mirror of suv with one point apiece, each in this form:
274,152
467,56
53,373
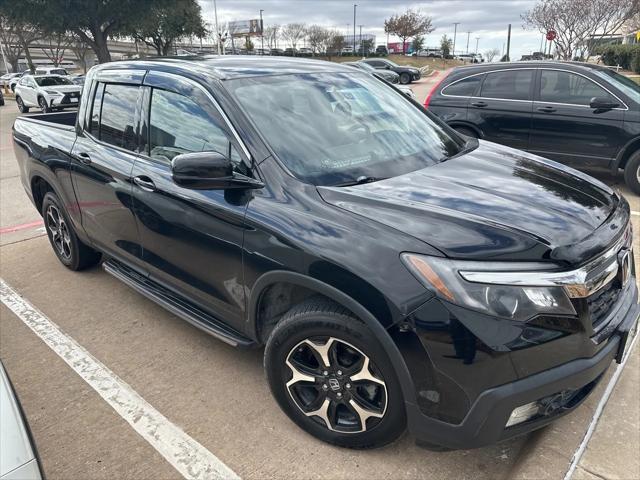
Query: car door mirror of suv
603,103
208,171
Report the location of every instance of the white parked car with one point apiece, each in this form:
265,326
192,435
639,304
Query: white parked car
13,81
51,71
47,92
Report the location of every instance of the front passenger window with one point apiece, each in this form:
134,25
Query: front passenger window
558,86
180,125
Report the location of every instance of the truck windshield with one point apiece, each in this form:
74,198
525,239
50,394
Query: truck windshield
52,81
334,128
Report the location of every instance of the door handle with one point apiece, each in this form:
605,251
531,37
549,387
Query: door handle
479,104
546,109
145,183
84,157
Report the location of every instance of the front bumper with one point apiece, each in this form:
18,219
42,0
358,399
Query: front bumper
485,421
64,101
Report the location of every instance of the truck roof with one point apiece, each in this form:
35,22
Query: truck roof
225,67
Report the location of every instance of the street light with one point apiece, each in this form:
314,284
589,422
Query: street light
455,31
360,41
354,28
215,12
468,35
477,40
261,33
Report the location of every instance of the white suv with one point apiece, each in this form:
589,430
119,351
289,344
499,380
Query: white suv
51,71
47,92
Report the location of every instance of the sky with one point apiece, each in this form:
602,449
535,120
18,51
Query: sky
486,19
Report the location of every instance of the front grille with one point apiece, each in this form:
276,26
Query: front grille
600,303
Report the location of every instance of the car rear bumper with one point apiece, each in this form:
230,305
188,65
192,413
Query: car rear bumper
558,391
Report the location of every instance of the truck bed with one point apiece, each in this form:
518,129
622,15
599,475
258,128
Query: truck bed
66,119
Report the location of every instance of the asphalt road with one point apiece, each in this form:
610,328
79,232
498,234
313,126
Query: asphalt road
217,397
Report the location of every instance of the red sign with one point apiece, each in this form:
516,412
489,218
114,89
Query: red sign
551,35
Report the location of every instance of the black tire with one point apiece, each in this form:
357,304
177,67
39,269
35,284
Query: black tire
632,173
318,322
466,131
405,78
42,103
21,106
69,249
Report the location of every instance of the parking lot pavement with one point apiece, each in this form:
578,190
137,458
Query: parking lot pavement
217,395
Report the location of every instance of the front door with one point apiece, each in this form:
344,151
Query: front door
192,239
566,129
502,110
103,158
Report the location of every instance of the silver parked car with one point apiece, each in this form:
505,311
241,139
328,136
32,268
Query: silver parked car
18,460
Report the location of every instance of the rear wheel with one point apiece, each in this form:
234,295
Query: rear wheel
332,377
69,249
21,105
466,131
405,78
632,173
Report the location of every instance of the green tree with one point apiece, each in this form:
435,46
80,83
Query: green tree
446,44
408,25
92,21
335,43
165,22
418,43
366,47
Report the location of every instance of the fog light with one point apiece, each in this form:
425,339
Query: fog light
523,413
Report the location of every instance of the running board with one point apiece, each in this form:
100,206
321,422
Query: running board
177,304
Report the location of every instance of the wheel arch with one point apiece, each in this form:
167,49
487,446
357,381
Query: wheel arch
315,287
39,188
631,147
470,126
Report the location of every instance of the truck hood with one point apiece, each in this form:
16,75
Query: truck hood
494,202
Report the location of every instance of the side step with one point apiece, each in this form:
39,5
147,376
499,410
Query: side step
177,304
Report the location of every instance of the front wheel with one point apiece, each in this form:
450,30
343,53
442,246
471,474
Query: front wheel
632,173
333,378
44,107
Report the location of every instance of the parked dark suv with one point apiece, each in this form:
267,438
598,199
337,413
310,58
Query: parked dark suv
397,273
583,115
407,74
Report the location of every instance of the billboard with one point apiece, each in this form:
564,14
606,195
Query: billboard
242,28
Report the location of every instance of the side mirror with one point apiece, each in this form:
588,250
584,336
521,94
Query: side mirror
208,171
603,103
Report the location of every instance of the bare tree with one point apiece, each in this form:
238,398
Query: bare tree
317,37
55,46
491,54
80,50
334,43
410,24
12,47
293,32
17,36
579,24
271,35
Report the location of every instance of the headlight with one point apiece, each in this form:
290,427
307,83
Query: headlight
53,92
515,302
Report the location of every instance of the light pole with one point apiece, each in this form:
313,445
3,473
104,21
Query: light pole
468,35
215,13
261,33
455,31
354,28
477,40
360,41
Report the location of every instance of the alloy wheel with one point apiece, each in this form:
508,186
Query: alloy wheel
20,104
336,385
43,105
60,236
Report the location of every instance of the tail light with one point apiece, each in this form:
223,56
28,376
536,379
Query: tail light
434,89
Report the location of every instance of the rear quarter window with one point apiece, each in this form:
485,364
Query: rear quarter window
467,87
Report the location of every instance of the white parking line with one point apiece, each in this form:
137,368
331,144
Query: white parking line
185,454
637,214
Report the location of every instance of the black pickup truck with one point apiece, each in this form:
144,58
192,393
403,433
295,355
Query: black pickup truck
397,273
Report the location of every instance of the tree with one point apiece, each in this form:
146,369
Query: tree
271,35
55,46
164,23
317,37
248,44
12,49
80,50
293,32
579,23
446,44
93,21
335,43
17,35
491,54
366,46
408,25
418,43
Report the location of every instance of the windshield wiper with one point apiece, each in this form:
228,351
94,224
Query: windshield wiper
359,181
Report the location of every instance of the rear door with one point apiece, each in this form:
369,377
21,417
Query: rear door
566,129
103,158
502,109
451,103
192,239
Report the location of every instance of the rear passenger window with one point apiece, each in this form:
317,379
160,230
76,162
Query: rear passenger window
564,87
180,125
117,119
508,85
466,87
